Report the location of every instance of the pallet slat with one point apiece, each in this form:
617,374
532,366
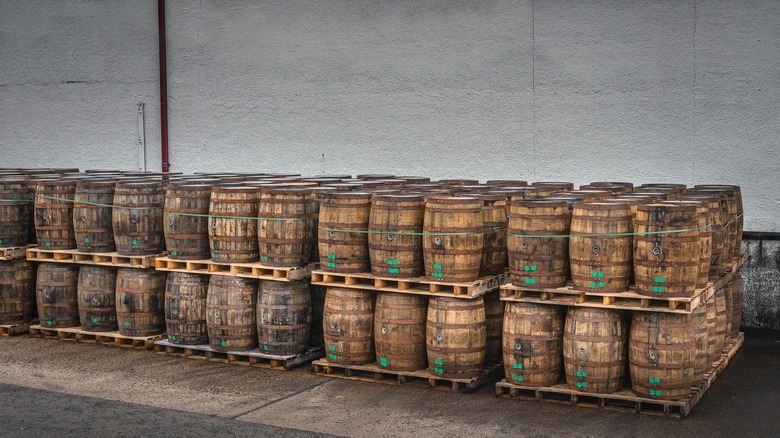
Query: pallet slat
417,286
76,334
254,358
88,258
14,252
421,378
246,270
15,329
624,400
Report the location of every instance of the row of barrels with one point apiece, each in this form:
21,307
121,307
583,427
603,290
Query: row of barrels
595,350
451,337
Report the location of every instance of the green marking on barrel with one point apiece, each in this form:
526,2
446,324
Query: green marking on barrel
392,262
393,270
438,362
127,323
582,385
581,374
332,256
135,242
659,279
530,281
517,366
533,267
216,256
597,274
655,393
331,265
437,267
265,348
438,275
592,285
48,322
383,361
332,348
332,357
654,379
527,268
173,338
1,240
517,377
265,258
86,240
94,320
438,370
223,344
658,289
47,244
174,253
601,284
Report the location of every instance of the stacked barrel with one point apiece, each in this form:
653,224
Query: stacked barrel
610,239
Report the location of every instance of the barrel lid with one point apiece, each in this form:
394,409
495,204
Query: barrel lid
102,171
697,202
491,197
558,184
282,175
190,187
138,184
611,183
398,197
715,196
413,179
346,195
600,204
723,187
458,181
235,189
542,202
343,187
375,176
454,199
97,182
506,182
57,182
289,190
667,206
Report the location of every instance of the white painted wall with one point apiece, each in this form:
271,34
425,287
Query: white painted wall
647,90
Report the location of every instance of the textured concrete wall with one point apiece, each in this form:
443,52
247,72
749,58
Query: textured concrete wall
761,280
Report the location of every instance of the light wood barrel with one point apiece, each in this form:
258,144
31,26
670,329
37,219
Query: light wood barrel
736,211
140,301
454,238
715,328
538,261
393,254
137,218
494,325
343,231
667,264
456,337
600,260
662,355
231,313
720,319
704,226
287,224
553,186
185,308
16,211
56,293
97,298
348,326
232,227
284,317
716,219
494,222
92,215
54,214
594,349
186,222
532,343
17,291
699,326
399,331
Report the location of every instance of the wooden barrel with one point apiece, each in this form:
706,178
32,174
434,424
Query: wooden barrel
494,222
715,220
17,291
662,355
734,198
594,353
456,336
97,298
494,326
185,222
284,317
317,307
140,301
343,231
16,208
532,343
737,294
699,326
705,236
600,259
56,292
232,225
286,226
54,214
138,218
393,254
230,313
399,331
555,186
185,308
667,264
92,215
348,326
454,238
535,260
715,328
720,321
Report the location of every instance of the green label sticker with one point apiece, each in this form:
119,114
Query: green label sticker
659,279
331,265
86,240
216,256
526,268
654,380
47,244
601,284
438,362
265,348
1,240
655,393
48,322
173,338
658,289
438,370
438,275
174,253
332,348
533,267
392,262
582,374
592,285
135,242
437,267
94,320
383,361
127,323
393,270
223,344
597,274
265,258
517,366
517,377
332,356
332,256
582,385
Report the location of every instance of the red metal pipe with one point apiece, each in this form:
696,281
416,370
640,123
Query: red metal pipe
163,86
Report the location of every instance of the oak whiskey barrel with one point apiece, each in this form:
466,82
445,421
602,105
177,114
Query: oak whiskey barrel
456,336
393,254
494,222
699,326
538,261
284,317
185,308
54,214
232,225
97,298
56,293
533,343
399,331
140,301
92,215
348,326
286,226
454,238
231,313
185,221
343,231
137,218
17,291
16,211
594,349
494,324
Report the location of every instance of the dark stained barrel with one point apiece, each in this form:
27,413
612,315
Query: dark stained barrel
342,234
662,355
456,336
56,292
494,222
553,186
393,254
720,321
454,238
286,226
185,221
140,301
92,215
97,298
16,209
233,227
317,307
348,325
536,260
54,214
231,313
185,308
594,353
494,324
138,218
284,317
735,220
399,331
699,326
532,343
17,291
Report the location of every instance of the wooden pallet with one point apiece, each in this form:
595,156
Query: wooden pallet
629,300
90,258
104,338
15,329
14,252
624,400
253,358
421,378
247,270
417,285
